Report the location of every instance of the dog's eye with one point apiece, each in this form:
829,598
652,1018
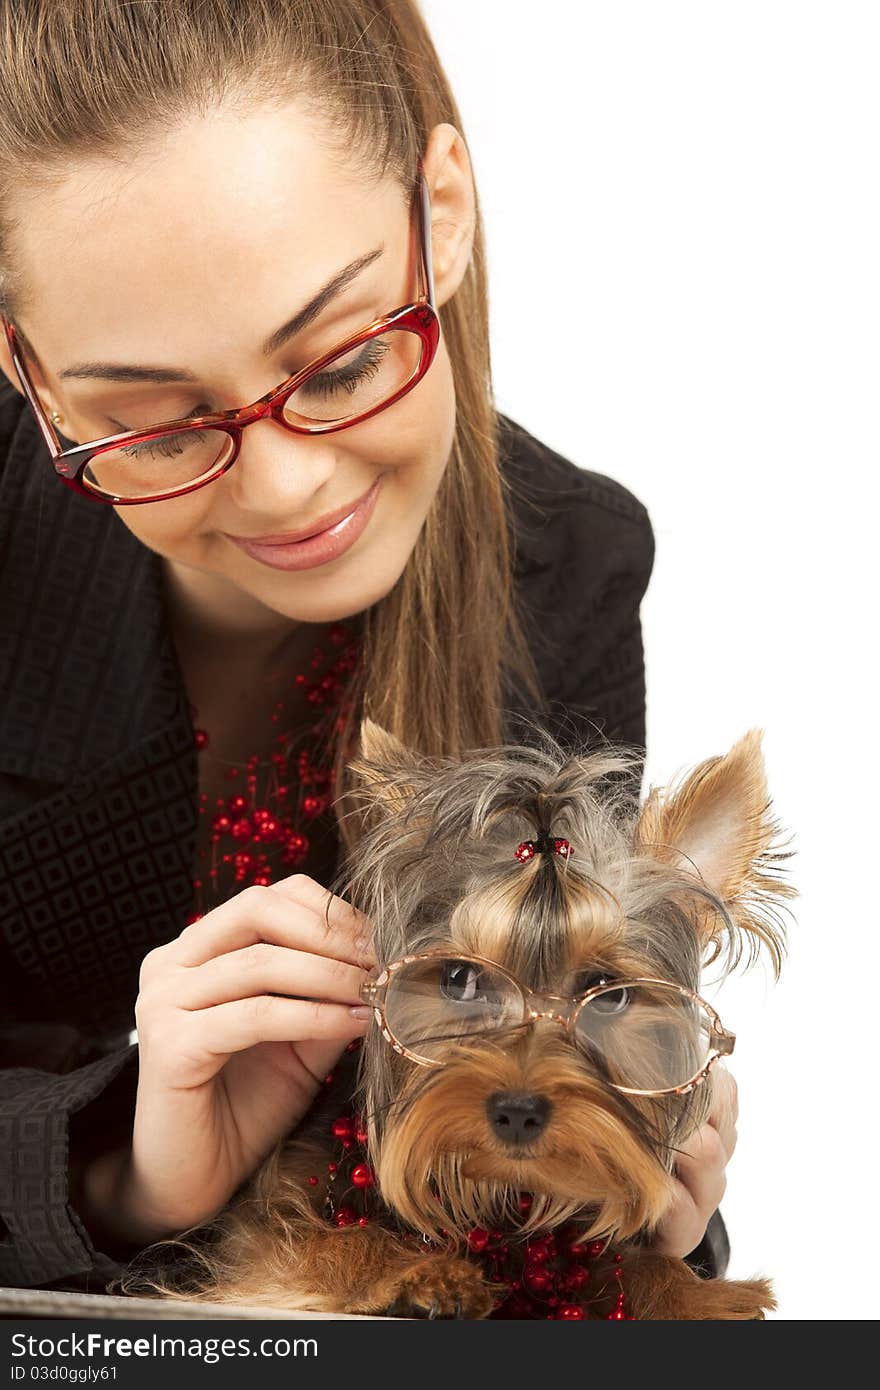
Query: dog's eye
460,979
614,1001
586,979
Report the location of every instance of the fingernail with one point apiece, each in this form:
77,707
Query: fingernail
360,1011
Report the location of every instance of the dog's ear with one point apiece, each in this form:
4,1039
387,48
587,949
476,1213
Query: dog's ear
380,768
716,824
379,746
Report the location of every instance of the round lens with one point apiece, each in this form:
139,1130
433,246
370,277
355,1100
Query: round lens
432,1003
645,1037
156,466
358,380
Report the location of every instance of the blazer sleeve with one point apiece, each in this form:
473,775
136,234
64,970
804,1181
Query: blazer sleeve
51,1124
62,1101
586,569
600,678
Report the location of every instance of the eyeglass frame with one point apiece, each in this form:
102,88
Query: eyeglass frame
419,317
373,992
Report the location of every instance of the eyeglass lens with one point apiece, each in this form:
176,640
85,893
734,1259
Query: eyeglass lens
347,386
642,1037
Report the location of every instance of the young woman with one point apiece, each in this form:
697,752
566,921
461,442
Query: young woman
244,297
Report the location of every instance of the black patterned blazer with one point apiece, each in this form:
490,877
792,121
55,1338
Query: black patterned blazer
99,791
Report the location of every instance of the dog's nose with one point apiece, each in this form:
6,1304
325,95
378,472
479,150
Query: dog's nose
517,1117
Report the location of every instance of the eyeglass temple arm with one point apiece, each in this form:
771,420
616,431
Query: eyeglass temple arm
47,429
423,251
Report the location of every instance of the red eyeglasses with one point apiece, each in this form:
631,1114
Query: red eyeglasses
355,380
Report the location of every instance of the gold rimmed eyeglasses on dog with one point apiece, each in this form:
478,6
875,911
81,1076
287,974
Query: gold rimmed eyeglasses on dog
644,1036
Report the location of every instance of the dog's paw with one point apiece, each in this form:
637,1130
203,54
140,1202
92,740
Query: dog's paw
438,1286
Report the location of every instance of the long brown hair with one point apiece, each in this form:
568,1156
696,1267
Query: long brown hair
83,78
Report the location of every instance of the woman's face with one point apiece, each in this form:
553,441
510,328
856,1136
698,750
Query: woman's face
188,260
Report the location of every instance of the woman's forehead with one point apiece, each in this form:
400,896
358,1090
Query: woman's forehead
225,209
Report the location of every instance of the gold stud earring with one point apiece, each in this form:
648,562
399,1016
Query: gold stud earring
56,418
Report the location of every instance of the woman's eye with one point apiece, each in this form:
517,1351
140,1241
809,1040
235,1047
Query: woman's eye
460,980
167,446
349,377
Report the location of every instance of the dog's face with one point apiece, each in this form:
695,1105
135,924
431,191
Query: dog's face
526,1111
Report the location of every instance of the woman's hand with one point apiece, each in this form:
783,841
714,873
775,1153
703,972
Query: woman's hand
238,1019
700,1179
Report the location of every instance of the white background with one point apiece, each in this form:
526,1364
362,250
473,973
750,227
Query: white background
696,186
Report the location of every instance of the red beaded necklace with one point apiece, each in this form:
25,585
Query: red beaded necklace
550,1275
248,823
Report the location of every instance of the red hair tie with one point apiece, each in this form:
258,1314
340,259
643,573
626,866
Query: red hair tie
544,844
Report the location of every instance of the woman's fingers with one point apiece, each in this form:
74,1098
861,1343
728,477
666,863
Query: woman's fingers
699,1184
273,964
263,969
293,913
683,1225
700,1178
228,1028
700,1166
725,1107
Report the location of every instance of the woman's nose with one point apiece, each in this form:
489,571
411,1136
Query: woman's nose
277,473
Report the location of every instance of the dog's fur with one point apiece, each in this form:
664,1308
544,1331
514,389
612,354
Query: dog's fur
690,877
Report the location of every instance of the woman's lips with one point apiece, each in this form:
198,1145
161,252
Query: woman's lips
318,549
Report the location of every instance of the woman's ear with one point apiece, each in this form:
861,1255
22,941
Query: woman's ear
447,167
716,827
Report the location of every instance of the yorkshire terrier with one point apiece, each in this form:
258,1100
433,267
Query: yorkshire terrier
502,1143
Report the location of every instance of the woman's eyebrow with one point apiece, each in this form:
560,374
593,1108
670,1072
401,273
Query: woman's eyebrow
120,371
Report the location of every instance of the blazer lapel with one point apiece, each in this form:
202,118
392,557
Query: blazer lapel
87,667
